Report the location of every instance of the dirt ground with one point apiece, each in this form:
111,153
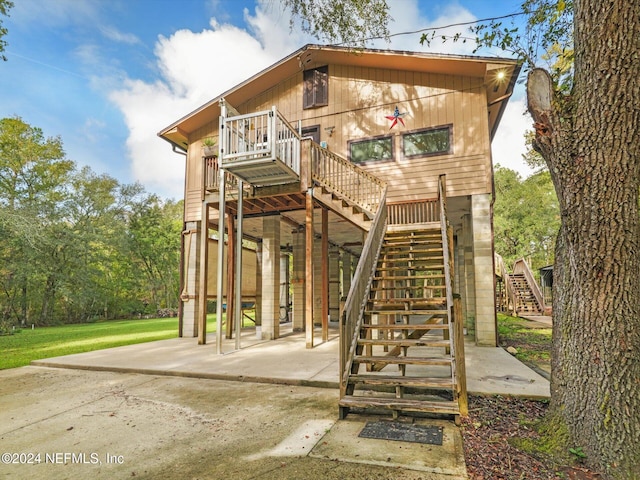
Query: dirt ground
74,424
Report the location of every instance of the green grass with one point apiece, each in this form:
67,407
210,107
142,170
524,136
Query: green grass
26,345
532,340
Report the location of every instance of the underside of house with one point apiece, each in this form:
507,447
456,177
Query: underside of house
332,217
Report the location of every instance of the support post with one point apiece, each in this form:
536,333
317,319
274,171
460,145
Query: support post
202,284
220,272
325,275
309,269
238,270
231,274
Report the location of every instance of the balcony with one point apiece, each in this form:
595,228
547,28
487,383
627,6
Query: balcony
261,148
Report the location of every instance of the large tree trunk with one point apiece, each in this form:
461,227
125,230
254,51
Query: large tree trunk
591,142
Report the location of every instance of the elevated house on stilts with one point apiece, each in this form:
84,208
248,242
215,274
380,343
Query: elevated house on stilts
371,172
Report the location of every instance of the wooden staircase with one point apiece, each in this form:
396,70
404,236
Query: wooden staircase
525,299
349,210
404,356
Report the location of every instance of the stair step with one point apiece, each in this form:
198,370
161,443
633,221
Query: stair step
398,302
396,278
399,381
424,270
417,234
396,311
426,327
413,260
405,254
396,360
417,239
405,342
405,287
404,404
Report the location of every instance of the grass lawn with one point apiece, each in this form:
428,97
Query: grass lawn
531,339
26,345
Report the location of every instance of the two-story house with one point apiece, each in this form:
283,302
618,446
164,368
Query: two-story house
371,170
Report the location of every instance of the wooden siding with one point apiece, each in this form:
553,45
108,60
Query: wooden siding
359,100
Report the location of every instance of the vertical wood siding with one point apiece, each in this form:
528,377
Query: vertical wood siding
359,100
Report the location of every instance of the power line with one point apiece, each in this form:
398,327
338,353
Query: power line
460,24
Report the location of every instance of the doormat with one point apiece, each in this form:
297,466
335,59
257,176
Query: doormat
403,432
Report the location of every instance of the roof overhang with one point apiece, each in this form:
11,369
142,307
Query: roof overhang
498,74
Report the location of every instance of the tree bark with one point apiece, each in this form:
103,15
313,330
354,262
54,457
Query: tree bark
591,142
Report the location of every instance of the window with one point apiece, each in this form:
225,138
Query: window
313,132
316,87
433,141
372,149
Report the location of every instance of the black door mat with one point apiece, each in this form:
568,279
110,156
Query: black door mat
402,432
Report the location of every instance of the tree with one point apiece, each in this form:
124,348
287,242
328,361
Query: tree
587,129
526,217
587,126
5,6
32,174
350,22
590,140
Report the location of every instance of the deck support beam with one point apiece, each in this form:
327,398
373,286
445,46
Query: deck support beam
309,234
237,279
325,274
231,274
220,267
202,283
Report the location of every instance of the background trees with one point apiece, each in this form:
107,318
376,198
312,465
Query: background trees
526,217
77,245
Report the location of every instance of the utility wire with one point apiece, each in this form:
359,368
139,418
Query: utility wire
442,27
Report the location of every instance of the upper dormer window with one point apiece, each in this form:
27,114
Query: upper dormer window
316,87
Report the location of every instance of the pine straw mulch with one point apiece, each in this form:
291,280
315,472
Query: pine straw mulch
492,428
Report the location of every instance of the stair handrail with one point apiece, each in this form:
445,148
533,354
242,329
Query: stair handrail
349,180
447,251
521,266
358,296
501,268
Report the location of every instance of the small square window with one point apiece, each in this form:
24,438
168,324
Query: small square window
372,149
433,141
315,87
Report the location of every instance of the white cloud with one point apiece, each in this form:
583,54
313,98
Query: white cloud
508,145
114,34
197,66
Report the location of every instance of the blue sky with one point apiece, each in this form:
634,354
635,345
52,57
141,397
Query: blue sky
107,75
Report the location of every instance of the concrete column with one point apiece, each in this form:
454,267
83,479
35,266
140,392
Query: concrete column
483,269
297,279
191,265
334,283
469,276
271,277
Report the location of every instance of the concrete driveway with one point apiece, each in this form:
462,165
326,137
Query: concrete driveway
78,424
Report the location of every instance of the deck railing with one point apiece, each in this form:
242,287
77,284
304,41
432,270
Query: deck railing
416,211
212,176
260,136
509,294
359,292
354,184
